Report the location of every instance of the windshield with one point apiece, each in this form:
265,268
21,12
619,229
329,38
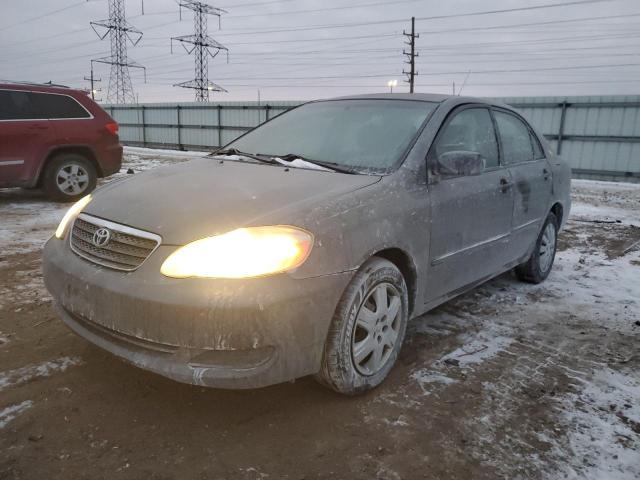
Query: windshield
363,134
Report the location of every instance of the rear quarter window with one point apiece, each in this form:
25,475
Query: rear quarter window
58,106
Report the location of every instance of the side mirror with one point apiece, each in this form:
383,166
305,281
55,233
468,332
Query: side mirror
460,162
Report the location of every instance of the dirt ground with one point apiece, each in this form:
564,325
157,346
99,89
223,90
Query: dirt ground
510,381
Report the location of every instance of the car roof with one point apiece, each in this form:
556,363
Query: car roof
36,87
452,100
419,97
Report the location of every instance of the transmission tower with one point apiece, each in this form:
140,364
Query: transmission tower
411,54
203,46
119,31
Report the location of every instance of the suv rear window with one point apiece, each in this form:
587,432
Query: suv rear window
15,105
57,106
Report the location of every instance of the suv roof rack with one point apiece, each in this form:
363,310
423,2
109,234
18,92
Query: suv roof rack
44,84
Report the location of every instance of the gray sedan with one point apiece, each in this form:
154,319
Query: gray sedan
306,245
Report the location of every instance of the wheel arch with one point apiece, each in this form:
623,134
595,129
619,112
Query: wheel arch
83,150
406,265
558,210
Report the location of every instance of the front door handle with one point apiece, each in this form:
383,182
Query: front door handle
505,185
546,174
38,127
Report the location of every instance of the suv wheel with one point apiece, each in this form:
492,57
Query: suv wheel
68,177
367,329
538,267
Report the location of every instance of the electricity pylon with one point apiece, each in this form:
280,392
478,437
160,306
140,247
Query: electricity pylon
203,47
119,31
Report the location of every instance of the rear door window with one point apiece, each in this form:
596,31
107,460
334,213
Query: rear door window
15,105
58,106
515,138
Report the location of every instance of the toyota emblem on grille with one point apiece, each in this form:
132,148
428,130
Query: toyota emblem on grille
101,237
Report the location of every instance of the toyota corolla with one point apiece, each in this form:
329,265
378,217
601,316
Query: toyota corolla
306,245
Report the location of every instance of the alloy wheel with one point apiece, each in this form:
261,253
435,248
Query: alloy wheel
547,247
376,330
72,179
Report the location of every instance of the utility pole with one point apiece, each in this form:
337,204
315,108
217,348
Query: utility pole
92,80
119,31
203,47
411,54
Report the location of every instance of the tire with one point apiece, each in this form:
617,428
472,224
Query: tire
79,173
540,263
346,366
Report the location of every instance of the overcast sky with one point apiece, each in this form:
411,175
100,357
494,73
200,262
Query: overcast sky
302,49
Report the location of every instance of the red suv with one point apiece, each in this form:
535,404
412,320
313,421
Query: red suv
55,138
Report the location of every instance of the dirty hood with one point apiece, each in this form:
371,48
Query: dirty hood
204,197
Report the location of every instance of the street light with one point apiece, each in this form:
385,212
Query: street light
391,84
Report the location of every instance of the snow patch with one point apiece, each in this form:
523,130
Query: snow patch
158,152
300,163
19,376
479,349
603,420
12,411
584,280
429,379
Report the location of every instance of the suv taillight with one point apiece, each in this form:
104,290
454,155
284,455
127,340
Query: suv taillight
112,128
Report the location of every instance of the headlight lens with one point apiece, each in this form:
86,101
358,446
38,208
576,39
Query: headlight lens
72,213
242,253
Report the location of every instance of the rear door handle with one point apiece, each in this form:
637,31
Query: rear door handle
505,185
546,174
38,127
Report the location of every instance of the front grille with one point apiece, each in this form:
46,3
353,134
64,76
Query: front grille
125,249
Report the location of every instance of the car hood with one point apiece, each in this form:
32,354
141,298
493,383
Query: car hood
204,197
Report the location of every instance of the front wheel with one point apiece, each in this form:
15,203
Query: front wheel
538,267
367,329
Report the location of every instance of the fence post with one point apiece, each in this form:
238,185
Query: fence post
144,128
563,115
180,147
219,125
267,107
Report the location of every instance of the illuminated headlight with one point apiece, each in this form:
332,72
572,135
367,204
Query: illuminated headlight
71,214
242,253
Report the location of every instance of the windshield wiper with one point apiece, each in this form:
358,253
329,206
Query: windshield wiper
290,157
253,156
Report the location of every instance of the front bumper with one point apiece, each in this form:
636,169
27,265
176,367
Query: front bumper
221,333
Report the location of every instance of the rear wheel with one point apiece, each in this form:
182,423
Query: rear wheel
367,329
68,177
538,267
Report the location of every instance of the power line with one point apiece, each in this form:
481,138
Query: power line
456,72
443,84
257,4
44,15
439,17
327,9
